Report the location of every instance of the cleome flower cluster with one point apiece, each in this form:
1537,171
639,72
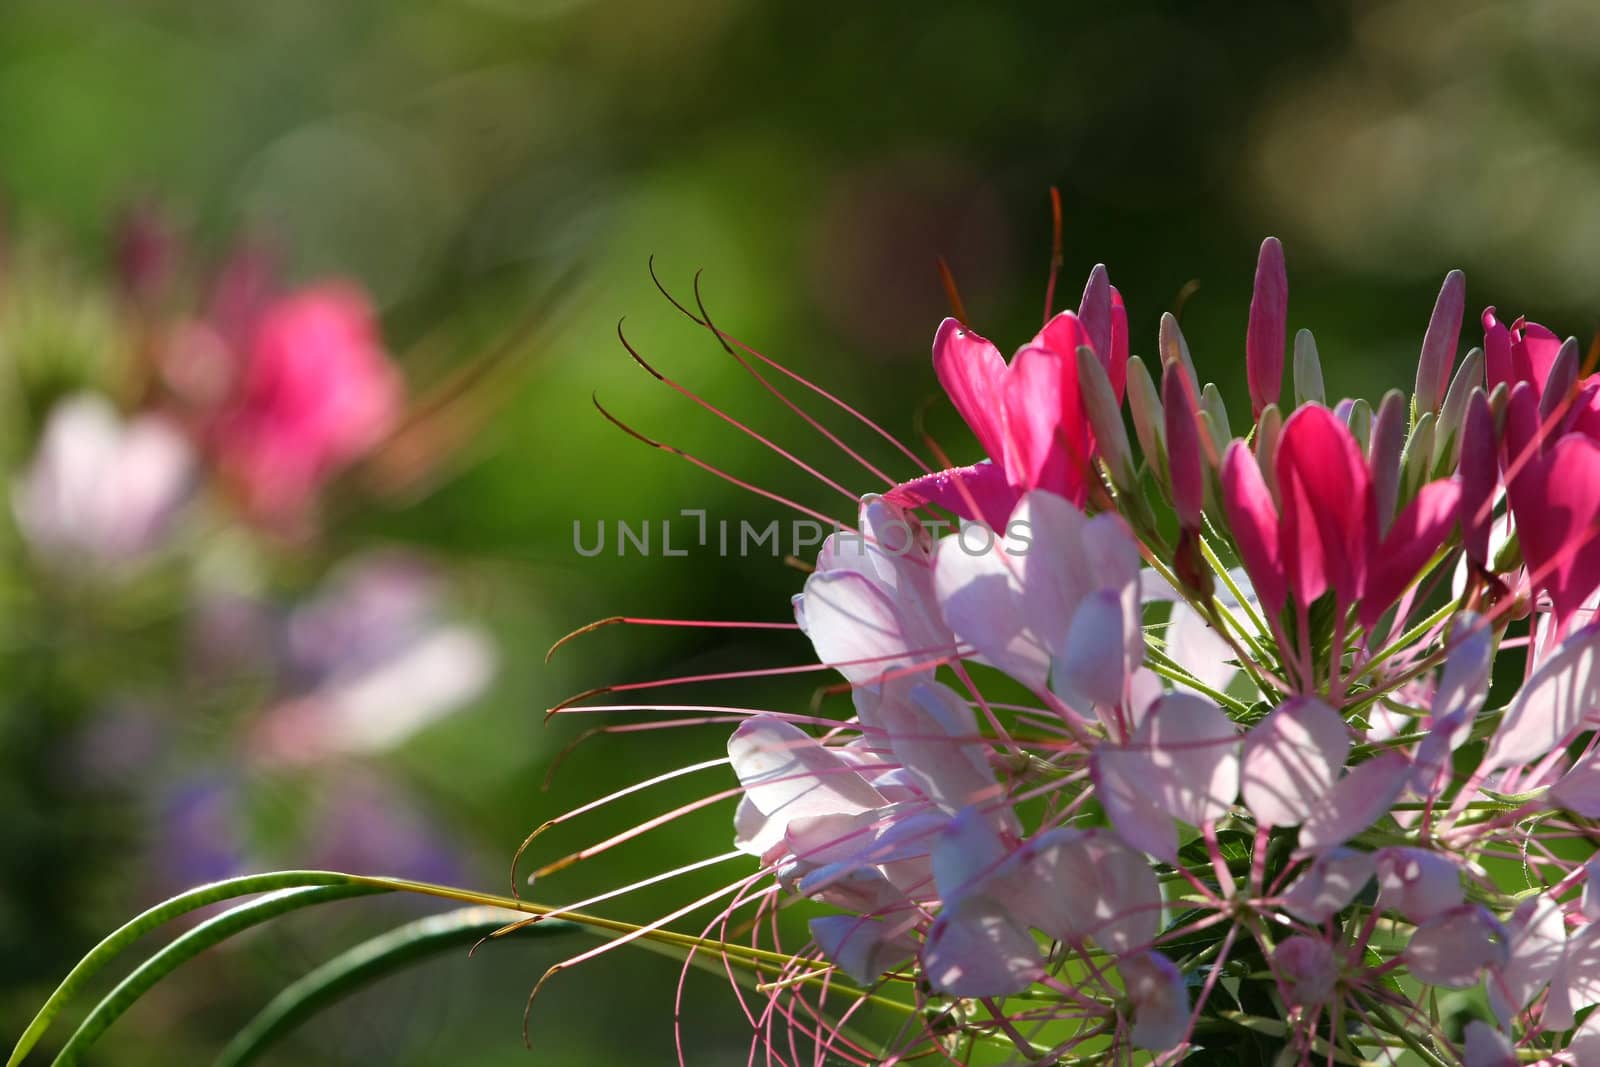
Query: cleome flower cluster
1179,746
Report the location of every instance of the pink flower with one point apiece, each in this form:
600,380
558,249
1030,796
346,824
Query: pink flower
1309,547
1029,414
316,392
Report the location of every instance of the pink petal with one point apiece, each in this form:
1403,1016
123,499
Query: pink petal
860,947
1485,1046
1452,948
935,737
977,950
1253,519
1324,547
1160,1000
787,774
979,594
1120,783
854,626
1291,759
1192,749
1092,670
1308,969
1264,340
1413,539
971,370
1578,791
1086,884
1537,941
979,493
1417,883
1333,880
1359,799
967,853
1550,705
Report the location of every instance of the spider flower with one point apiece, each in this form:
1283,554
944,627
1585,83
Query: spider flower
1103,793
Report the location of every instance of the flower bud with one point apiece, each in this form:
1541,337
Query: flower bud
1264,339
1172,345
1184,456
1105,417
1439,343
1144,404
1307,371
1383,455
1447,434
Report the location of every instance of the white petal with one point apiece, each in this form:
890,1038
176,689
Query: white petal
1551,704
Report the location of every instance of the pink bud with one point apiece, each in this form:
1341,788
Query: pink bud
1439,343
1264,341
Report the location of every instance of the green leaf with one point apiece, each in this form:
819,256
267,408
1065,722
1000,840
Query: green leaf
128,933
367,962
211,932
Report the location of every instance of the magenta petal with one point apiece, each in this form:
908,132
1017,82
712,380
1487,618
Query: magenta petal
979,493
1480,475
1264,340
977,950
1291,760
1035,394
1550,705
1534,353
1117,362
1184,458
1411,541
1253,519
1358,800
1452,948
1497,350
1323,547
1160,1000
971,371
1556,500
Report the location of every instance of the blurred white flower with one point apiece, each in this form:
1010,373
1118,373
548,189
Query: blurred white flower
100,490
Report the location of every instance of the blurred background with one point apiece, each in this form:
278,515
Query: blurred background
301,310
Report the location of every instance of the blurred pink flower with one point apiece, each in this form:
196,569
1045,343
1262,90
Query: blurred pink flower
316,391
101,491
